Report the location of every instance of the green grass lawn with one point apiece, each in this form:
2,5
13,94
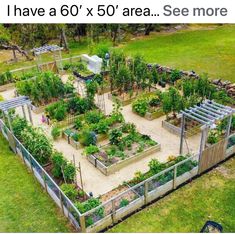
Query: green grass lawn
24,206
203,50
210,197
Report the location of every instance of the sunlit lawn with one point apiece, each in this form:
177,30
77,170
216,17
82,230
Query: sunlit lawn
24,206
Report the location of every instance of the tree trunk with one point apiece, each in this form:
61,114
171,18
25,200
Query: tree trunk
148,28
15,48
64,39
14,55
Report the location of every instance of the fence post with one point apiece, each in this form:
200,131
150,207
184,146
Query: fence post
82,223
175,176
61,202
146,192
44,180
113,211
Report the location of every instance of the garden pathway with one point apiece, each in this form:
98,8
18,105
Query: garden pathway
93,180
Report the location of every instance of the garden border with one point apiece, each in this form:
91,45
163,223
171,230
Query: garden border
108,170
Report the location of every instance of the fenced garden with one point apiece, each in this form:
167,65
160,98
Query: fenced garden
108,141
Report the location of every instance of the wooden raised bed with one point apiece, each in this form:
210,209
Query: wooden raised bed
107,170
177,130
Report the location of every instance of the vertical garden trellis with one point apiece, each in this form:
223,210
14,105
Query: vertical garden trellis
54,49
206,113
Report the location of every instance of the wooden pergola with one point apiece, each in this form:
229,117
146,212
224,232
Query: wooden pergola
55,49
207,113
20,101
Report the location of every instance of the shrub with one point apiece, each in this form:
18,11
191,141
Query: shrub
92,117
69,172
92,149
78,124
115,136
102,127
140,106
58,162
70,191
18,125
87,138
55,132
57,110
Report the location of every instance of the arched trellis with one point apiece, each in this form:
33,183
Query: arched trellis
21,101
55,49
207,113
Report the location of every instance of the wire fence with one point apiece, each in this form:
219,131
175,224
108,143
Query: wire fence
121,205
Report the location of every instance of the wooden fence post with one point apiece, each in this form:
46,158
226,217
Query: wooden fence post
113,211
82,223
146,192
61,202
175,176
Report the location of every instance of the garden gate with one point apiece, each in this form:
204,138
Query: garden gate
213,155
49,67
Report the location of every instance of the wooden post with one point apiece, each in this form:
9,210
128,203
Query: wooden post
146,192
80,172
175,176
61,202
113,211
9,121
74,163
82,223
30,116
229,125
45,183
23,110
182,134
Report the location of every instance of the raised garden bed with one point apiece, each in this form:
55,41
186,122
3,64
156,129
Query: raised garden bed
174,127
116,155
127,98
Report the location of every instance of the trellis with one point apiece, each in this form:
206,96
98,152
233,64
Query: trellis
207,113
55,49
21,101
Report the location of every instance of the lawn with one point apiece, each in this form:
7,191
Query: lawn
209,49
210,197
203,50
24,206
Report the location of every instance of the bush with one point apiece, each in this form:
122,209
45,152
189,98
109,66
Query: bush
140,106
115,136
18,125
70,191
92,149
87,138
78,124
58,162
57,110
92,117
69,172
55,132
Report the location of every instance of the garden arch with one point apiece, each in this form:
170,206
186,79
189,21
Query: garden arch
208,113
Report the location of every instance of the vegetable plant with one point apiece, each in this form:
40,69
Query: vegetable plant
70,191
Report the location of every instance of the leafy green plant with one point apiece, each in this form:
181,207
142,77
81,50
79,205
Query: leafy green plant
55,132
94,116
70,191
124,202
78,124
58,163
115,136
155,166
69,172
140,106
18,125
57,110
87,137
92,149
213,137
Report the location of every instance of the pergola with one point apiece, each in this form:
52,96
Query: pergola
55,49
207,113
20,101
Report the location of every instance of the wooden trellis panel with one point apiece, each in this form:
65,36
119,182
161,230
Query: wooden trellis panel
49,67
212,155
